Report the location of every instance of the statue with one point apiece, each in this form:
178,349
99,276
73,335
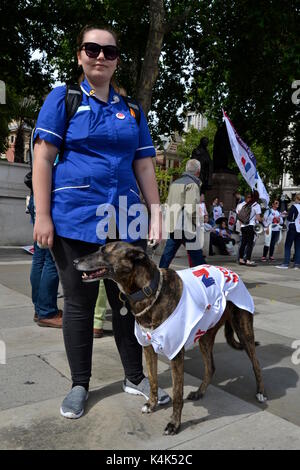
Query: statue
201,154
222,152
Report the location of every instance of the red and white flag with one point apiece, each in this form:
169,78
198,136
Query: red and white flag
245,160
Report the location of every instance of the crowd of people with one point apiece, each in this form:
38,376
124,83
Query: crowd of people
106,153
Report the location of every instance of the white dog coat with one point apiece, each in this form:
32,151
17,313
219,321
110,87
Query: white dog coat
206,290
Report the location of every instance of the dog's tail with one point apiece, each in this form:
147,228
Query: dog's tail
229,335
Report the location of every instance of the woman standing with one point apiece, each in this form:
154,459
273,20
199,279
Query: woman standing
247,229
272,221
105,154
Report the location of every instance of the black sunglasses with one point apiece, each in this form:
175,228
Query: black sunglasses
92,50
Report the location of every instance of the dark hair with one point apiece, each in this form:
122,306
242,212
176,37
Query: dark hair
255,195
90,27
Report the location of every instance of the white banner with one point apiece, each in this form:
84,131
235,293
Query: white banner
245,160
231,220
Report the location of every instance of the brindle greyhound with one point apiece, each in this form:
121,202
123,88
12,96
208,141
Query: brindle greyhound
134,272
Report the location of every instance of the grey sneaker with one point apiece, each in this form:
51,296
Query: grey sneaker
143,388
297,266
282,266
73,405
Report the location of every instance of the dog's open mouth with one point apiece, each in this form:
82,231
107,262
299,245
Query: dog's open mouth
94,275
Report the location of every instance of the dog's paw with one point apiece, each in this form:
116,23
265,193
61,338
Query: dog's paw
261,398
195,395
148,408
171,429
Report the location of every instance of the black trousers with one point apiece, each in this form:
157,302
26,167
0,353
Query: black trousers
247,241
78,316
220,242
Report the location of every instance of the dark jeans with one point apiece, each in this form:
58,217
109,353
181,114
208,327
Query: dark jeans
44,278
291,237
79,304
274,240
247,242
171,248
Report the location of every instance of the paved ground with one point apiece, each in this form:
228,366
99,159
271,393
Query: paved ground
36,377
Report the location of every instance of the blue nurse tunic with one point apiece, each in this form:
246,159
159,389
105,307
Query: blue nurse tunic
94,180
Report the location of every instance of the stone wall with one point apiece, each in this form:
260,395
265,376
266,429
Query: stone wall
15,224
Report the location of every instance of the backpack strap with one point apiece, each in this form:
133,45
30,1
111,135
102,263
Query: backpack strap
133,108
73,99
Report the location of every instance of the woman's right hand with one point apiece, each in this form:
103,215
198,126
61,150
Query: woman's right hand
43,232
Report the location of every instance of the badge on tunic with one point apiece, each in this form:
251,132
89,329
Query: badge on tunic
92,92
120,116
132,113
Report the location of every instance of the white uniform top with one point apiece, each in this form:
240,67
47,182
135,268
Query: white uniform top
297,221
255,210
205,292
272,216
217,212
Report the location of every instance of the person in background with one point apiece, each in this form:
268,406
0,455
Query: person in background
238,197
216,210
203,209
272,221
293,235
100,311
238,229
220,237
248,229
183,229
44,283
207,226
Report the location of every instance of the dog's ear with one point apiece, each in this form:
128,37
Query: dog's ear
136,254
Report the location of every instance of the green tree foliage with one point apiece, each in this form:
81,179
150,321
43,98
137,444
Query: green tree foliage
247,59
191,140
241,55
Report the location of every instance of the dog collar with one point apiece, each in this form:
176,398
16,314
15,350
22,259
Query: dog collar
147,291
161,278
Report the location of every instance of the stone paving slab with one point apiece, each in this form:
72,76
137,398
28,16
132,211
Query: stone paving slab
29,379
16,316
285,321
270,306
106,366
261,431
12,298
113,420
31,340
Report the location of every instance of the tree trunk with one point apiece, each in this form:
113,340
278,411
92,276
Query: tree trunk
150,67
